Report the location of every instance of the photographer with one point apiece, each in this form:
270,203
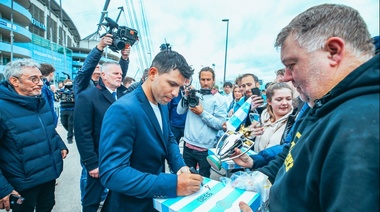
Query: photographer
206,114
66,97
89,74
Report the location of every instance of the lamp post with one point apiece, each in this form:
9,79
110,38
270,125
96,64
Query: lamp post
11,35
225,53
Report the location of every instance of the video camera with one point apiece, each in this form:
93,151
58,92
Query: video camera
66,74
122,35
66,94
192,98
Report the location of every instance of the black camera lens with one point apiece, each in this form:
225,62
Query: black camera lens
120,44
193,101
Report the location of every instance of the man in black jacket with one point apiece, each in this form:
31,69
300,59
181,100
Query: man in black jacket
67,101
31,151
333,160
89,111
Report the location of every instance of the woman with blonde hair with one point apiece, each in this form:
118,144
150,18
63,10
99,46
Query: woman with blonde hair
269,130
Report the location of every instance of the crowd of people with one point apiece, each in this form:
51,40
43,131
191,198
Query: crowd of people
315,152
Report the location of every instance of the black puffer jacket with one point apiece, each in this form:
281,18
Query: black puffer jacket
30,148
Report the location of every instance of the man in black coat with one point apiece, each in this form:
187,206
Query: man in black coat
89,111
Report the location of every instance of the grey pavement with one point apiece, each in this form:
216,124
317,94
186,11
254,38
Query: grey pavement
67,193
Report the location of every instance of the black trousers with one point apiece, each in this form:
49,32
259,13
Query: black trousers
40,198
194,157
67,120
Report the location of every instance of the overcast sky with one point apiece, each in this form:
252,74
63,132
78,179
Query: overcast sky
195,29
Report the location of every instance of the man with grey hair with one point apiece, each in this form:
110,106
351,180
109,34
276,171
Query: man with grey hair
89,111
333,162
31,151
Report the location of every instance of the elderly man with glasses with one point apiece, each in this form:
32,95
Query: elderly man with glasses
31,151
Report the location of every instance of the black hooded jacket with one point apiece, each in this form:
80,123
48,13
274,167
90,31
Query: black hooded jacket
333,161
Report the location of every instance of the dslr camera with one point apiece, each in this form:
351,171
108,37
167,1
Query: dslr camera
192,98
122,35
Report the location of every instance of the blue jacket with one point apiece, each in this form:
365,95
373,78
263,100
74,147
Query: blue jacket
176,120
132,153
83,79
30,148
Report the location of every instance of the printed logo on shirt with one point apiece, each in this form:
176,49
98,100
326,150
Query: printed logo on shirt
289,158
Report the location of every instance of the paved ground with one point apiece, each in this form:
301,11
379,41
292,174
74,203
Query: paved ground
67,191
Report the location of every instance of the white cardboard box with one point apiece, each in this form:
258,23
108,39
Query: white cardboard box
218,198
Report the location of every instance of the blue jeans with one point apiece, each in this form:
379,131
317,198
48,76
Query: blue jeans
194,157
92,191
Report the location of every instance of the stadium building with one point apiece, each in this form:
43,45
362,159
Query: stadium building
43,31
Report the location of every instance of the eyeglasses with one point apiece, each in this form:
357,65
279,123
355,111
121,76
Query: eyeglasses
34,79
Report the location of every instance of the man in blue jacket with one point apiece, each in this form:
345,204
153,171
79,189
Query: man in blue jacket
136,139
31,151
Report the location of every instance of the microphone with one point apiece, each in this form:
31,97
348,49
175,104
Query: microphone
111,23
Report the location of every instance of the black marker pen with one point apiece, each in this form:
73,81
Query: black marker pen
194,171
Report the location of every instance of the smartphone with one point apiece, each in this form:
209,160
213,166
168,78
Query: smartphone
16,201
256,91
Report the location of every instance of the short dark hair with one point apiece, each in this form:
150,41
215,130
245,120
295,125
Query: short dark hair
252,75
46,69
165,61
207,68
268,84
227,84
128,80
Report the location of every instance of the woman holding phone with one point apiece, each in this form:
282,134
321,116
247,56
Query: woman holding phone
268,130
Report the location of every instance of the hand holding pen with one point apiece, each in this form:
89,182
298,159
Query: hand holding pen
187,183
194,171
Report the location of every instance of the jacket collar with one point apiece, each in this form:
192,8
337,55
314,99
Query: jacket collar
145,105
